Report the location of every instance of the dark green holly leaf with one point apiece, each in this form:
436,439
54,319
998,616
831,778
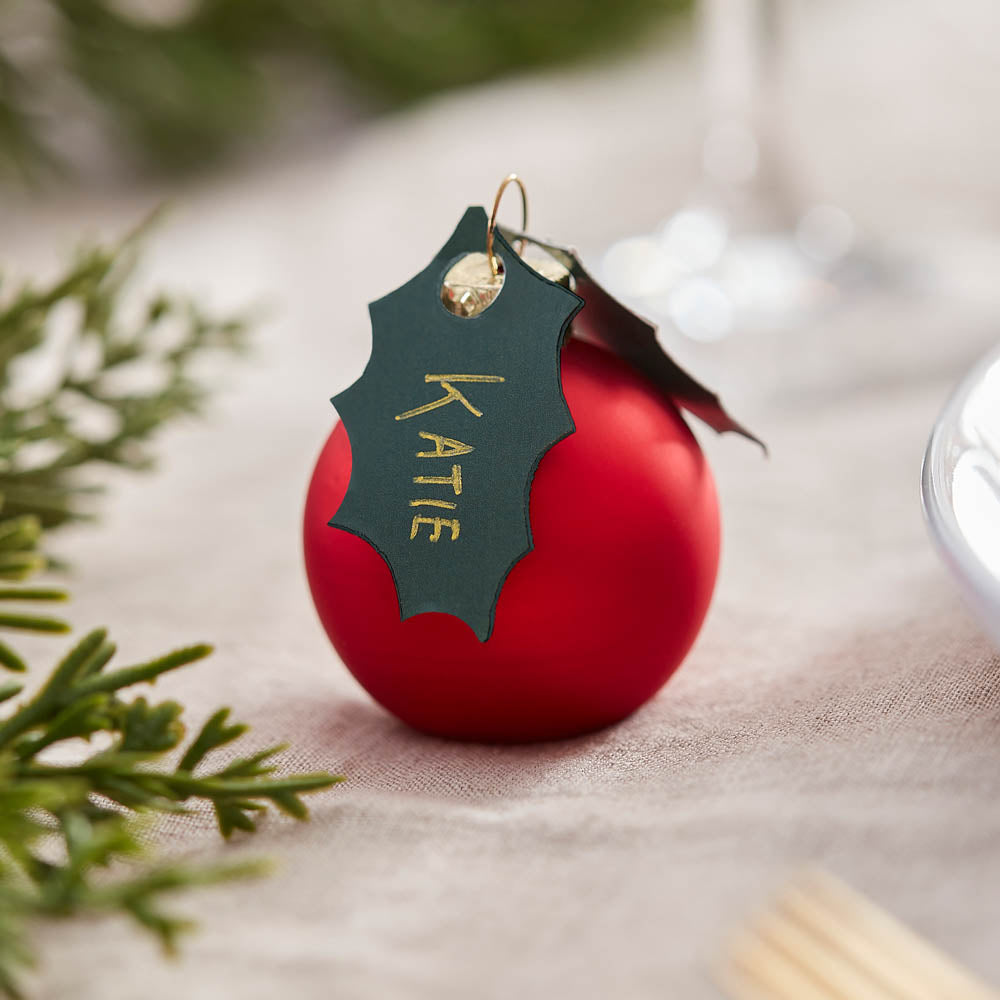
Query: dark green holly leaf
447,425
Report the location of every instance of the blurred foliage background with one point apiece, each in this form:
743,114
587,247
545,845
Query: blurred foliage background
175,83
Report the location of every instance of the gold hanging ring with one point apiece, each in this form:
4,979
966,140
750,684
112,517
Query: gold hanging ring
491,228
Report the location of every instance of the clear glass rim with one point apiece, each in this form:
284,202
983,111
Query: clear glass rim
936,484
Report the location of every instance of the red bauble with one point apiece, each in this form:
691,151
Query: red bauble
589,624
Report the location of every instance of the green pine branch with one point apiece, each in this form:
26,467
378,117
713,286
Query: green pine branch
64,824
183,89
89,411
87,803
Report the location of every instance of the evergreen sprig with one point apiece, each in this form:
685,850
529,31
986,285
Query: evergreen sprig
88,408
79,758
63,822
204,75
110,379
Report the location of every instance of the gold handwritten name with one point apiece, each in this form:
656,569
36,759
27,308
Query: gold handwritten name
443,447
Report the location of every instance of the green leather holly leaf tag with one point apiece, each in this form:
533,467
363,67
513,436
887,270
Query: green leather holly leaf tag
447,425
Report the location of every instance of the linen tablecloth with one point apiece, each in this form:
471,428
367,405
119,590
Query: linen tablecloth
840,707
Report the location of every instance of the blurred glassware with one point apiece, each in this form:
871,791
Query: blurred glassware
961,488
747,250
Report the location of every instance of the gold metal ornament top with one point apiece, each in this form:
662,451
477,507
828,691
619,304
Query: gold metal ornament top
470,286
473,283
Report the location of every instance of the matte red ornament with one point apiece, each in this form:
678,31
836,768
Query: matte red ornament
590,623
